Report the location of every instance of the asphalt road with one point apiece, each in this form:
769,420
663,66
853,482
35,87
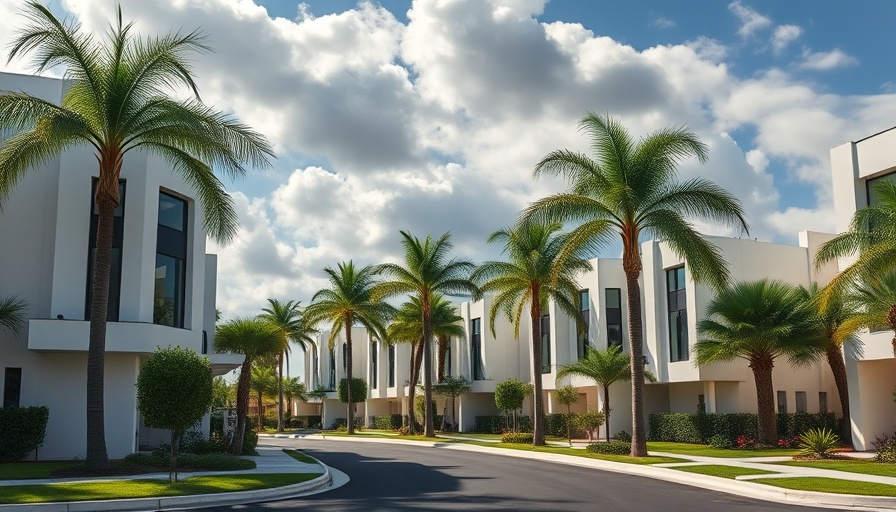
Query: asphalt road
388,477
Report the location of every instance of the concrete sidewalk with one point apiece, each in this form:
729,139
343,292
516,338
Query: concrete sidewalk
270,459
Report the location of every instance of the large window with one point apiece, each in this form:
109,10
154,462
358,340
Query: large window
448,358
802,403
476,349
678,315
12,387
869,186
822,401
585,313
613,312
782,402
373,368
315,370
391,366
546,344
331,384
115,265
171,261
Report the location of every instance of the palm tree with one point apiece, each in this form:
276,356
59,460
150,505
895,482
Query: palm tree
875,301
760,321
254,339
116,102
871,235
832,316
349,300
427,271
264,382
12,314
604,367
540,270
407,327
288,317
294,389
630,188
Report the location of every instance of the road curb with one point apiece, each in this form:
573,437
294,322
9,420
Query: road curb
181,502
746,489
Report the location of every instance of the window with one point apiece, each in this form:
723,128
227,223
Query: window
585,313
12,387
782,402
822,402
801,402
373,356
344,357
613,306
331,385
315,369
171,262
678,315
869,186
448,358
391,366
115,264
476,349
546,344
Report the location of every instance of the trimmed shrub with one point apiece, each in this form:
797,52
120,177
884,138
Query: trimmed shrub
555,425
341,424
516,437
22,429
207,462
589,422
192,441
387,422
498,424
885,445
721,441
305,422
359,390
700,428
623,436
610,448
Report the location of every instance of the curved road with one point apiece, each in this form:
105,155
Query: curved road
387,477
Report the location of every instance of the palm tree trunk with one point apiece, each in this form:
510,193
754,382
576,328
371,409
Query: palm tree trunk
428,427
260,412
242,407
412,388
97,456
891,322
607,410
348,371
280,392
537,362
838,368
762,366
636,352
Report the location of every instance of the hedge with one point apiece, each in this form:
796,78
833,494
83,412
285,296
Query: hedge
22,429
342,423
700,428
304,422
387,422
499,424
555,425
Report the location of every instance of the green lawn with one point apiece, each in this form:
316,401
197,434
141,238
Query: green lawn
299,456
708,451
722,471
121,489
28,470
831,485
577,453
384,434
868,467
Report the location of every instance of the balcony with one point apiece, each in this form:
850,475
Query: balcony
125,337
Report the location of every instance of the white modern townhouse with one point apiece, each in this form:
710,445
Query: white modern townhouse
162,289
871,369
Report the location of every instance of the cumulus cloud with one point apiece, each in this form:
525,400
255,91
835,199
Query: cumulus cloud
750,20
662,22
824,61
784,35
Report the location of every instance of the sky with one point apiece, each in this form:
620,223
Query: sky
428,116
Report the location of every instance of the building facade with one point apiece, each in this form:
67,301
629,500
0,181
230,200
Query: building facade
162,287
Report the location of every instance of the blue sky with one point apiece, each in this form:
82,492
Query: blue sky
429,115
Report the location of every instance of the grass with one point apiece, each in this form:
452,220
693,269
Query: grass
708,451
831,485
867,467
123,489
578,453
29,470
722,471
299,456
384,434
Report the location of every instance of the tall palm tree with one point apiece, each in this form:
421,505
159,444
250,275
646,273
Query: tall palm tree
294,389
832,317
264,382
604,367
630,188
288,316
349,300
875,301
871,236
12,314
407,327
540,270
427,271
760,321
116,101
254,339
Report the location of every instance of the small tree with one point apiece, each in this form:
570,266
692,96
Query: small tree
450,387
509,396
590,422
568,395
358,394
174,391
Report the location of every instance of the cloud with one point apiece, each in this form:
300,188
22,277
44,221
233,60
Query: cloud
662,22
825,61
783,36
750,19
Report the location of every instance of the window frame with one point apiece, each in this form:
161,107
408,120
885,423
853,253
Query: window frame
676,304
174,243
12,387
477,365
612,312
781,402
373,364
583,334
546,362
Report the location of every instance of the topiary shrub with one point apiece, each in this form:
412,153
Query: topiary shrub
610,448
721,441
359,390
516,437
22,429
387,422
623,436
